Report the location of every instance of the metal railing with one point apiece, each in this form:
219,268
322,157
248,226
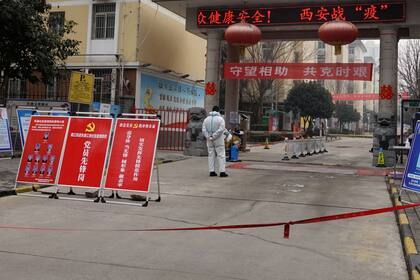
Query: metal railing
173,128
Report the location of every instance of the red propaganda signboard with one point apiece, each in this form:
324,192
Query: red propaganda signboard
85,152
132,155
299,71
43,148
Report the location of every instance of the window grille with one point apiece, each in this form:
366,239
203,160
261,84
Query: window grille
103,21
56,22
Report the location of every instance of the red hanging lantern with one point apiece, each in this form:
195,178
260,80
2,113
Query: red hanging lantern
242,35
337,33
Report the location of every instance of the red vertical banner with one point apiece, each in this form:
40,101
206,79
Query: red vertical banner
132,155
43,148
85,152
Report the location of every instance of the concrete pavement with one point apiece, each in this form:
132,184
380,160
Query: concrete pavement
256,192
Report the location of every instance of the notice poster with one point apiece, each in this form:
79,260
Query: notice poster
42,152
24,117
5,139
411,179
85,152
132,155
81,88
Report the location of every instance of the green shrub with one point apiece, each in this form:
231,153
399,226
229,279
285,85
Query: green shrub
259,137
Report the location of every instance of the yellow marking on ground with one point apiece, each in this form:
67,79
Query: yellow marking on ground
415,275
409,245
403,219
25,188
394,190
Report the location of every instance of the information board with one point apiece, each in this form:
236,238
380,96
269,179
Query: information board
24,117
42,153
411,179
132,155
85,152
5,138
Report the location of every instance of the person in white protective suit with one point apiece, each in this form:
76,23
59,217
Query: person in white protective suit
213,130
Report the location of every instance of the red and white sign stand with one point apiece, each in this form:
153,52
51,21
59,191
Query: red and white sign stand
85,152
42,153
131,161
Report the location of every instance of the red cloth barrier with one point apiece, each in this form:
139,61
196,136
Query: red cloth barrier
285,224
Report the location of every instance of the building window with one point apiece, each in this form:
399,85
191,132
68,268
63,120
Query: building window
56,22
103,21
102,86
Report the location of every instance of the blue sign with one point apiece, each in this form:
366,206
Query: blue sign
96,106
63,113
5,137
115,110
24,118
159,93
411,179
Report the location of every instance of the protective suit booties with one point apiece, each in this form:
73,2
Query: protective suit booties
213,128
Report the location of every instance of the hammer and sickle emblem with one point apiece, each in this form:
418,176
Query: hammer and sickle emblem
90,127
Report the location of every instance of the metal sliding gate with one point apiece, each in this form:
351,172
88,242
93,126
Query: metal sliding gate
173,128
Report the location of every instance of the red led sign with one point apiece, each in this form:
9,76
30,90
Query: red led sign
393,11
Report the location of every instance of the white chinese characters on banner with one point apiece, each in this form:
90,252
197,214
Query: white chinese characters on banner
123,164
84,161
138,160
266,71
326,72
342,72
299,71
281,71
309,71
251,71
360,72
236,71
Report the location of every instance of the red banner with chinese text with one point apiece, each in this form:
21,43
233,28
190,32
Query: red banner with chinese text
85,152
363,96
355,96
299,71
132,155
43,148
